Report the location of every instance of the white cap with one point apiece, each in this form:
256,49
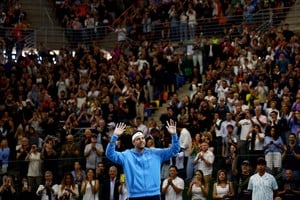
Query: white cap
137,134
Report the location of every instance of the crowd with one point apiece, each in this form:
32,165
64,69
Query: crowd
174,20
57,118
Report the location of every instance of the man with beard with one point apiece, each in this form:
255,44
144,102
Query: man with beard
142,165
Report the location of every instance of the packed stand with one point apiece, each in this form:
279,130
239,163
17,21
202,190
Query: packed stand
14,27
85,20
180,20
57,119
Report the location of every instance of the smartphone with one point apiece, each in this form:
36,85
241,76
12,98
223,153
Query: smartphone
122,178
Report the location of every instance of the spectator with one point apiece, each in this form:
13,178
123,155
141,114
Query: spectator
68,189
242,177
291,156
78,174
22,153
93,153
150,142
7,189
172,20
223,189
269,186
101,175
249,9
173,186
24,191
34,167
194,149
4,155
198,49
90,186
230,162
260,118
111,185
244,127
289,188
255,139
49,189
205,160
192,21
123,188
50,156
198,189
183,26
70,150
273,149
185,140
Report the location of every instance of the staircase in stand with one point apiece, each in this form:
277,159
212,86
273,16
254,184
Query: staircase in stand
42,19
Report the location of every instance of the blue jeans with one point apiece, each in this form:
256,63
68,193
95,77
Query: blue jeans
183,31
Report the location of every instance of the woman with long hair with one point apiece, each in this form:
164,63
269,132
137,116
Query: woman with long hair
223,189
68,190
194,149
255,139
198,189
90,186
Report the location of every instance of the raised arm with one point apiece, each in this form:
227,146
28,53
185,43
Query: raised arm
111,152
175,147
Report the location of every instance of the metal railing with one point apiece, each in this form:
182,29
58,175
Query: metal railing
103,35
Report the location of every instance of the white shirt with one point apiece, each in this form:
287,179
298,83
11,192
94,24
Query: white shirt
197,193
258,145
112,189
263,119
35,165
224,124
72,197
92,159
206,169
170,193
44,195
262,186
185,140
246,125
143,128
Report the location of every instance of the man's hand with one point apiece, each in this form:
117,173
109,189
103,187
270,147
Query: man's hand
120,128
171,127
169,181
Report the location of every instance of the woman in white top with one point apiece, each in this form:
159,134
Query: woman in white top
198,189
90,187
34,173
255,139
68,190
222,188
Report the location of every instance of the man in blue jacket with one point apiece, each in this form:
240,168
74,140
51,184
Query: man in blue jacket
142,165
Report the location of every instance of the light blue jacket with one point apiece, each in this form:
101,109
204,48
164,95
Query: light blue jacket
142,170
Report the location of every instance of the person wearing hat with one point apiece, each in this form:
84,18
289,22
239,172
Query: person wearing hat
93,153
242,179
262,184
142,165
